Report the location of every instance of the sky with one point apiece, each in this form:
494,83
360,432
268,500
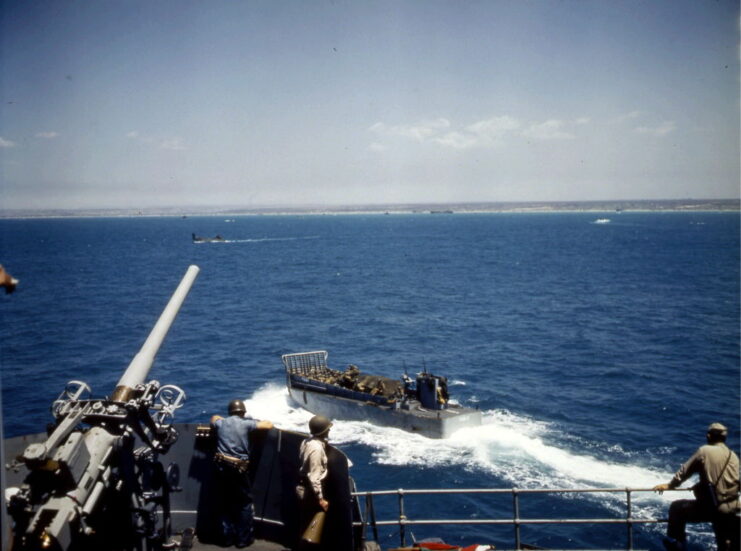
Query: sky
191,103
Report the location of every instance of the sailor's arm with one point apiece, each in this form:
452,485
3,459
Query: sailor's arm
689,468
265,425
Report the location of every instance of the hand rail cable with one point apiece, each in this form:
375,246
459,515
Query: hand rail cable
516,521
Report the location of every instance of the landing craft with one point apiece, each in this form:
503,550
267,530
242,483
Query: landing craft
422,405
215,239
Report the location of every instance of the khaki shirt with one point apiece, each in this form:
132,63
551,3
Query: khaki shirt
708,462
314,464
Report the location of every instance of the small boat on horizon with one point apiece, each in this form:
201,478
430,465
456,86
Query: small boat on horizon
216,239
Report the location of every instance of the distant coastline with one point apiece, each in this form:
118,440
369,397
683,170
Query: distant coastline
647,205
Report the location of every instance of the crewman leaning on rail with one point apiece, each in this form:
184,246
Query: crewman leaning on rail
717,494
232,480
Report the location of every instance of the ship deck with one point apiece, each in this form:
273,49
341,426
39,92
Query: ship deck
259,545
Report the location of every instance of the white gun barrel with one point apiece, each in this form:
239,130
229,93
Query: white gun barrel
139,367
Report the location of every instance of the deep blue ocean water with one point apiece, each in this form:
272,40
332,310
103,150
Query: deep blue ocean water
598,352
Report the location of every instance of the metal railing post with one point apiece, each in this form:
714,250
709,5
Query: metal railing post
629,518
402,518
370,514
516,509
516,519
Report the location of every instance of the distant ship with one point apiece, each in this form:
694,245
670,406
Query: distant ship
421,405
216,239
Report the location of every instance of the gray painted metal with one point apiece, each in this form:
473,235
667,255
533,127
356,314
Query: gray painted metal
403,519
140,365
430,423
274,471
340,403
275,468
80,465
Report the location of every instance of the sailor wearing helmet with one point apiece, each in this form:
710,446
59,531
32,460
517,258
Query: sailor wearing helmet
232,465
313,471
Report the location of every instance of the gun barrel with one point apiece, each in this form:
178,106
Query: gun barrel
139,367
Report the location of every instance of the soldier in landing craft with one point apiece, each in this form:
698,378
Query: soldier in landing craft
717,494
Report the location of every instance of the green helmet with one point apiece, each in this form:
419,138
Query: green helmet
319,425
236,407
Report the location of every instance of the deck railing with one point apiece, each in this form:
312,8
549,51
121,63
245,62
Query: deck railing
402,521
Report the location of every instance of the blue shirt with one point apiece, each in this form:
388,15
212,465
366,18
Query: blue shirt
232,436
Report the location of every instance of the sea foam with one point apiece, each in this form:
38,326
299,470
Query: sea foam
513,450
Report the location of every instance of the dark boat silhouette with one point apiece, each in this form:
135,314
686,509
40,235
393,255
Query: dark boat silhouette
216,239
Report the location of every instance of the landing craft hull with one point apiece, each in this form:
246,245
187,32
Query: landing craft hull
429,423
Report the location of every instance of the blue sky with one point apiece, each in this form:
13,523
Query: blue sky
138,104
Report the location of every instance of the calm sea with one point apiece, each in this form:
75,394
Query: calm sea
599,351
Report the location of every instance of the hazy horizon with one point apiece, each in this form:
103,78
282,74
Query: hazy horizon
642,205
126,105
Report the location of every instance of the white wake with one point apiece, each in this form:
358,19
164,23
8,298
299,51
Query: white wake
506,447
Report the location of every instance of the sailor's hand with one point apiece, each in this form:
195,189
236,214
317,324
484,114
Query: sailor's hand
661,488
324,504
7,281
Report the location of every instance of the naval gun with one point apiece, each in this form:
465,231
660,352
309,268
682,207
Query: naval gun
97,481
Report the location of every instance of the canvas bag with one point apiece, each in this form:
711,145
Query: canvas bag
705,493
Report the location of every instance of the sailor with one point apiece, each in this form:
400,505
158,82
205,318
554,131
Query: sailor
313,472
444,396
717,467
408,385
232,464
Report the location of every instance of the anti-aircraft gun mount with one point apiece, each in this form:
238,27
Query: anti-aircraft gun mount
97,481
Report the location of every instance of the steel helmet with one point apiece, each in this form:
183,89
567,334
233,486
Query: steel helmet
319,425
236,407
